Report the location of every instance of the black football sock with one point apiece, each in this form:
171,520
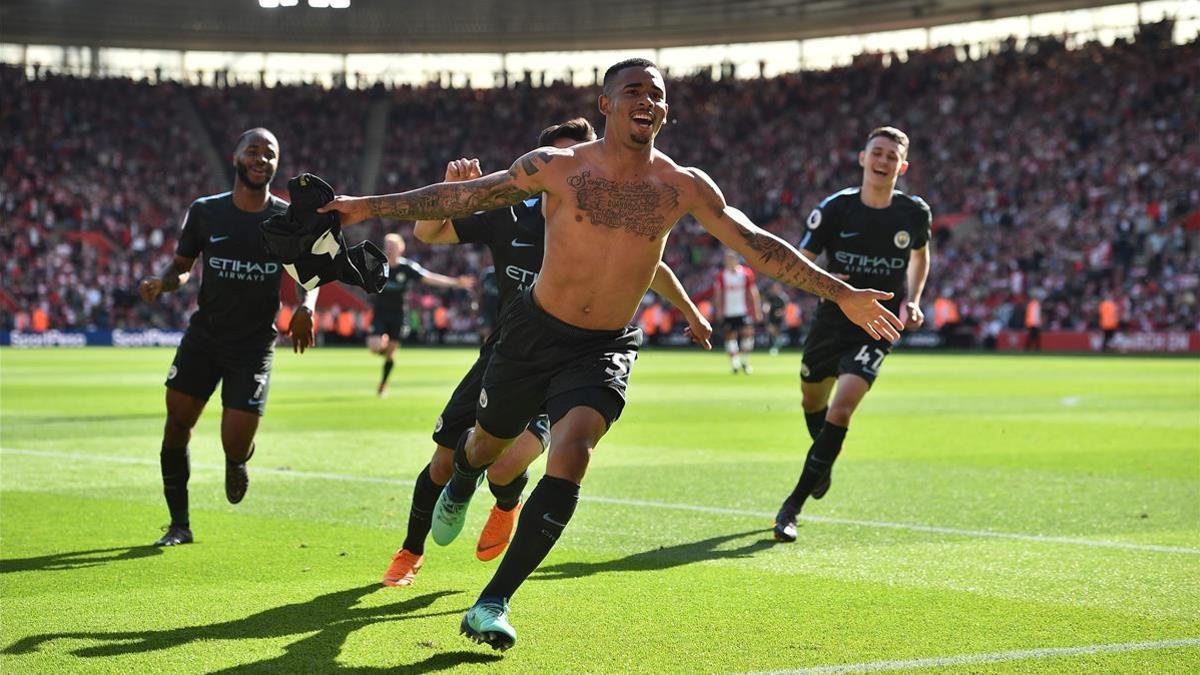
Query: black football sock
508,496
546,514
387,370
176,469
420,514
466,477
815,420
820,460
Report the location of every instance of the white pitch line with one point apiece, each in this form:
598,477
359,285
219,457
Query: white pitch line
765,515
994,657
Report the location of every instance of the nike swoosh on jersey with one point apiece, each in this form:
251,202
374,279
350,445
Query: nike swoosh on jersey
521,244
214,239
847,235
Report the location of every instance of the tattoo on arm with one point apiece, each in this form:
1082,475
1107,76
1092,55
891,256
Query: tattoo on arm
450,200
527,164
785,264
772,255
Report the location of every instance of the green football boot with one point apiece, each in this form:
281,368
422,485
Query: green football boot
487,623
449,514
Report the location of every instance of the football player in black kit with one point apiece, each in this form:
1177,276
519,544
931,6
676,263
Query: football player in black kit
231,337
516,237
390,322
875,236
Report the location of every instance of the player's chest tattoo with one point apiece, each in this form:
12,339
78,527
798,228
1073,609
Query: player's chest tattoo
641,208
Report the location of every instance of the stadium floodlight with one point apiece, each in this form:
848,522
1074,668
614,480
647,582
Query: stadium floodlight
268,4
319,4
339,4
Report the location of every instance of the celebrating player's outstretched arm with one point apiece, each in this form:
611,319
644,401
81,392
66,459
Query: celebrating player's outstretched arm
773,256
451,200
667,286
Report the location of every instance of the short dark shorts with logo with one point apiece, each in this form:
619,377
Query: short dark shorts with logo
459,413
244,372
835,350
541,364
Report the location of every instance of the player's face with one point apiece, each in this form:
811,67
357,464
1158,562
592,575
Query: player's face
636,106
882,162
731,260
256,160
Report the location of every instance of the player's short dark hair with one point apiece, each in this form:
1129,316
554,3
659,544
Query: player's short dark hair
622,65
256,131
577,129
891,133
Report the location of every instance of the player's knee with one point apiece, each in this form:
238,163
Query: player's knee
441,466
176,433
178,425
484,448
569,458
839,414
813,399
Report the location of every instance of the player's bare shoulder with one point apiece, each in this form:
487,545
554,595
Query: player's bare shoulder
645,204
699,192
547,164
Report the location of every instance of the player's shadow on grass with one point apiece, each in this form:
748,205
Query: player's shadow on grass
331,618
662,558
74,560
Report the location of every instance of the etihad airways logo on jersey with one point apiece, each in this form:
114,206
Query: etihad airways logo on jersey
522,276
242,270
857,263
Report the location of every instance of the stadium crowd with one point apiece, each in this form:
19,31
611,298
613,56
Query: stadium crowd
1066,176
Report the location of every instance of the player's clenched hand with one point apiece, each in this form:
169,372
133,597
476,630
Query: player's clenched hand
351,209
466,282
463,169
862,307
911,315
699,330
150,289
301,330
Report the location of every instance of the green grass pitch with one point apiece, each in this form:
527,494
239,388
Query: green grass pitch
989,513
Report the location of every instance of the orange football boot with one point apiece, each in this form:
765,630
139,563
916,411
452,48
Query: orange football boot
496,533
405,565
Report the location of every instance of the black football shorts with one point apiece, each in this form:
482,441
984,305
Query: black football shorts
540,363
244,374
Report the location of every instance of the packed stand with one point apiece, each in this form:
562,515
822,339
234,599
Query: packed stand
319,130
1065,176
94,177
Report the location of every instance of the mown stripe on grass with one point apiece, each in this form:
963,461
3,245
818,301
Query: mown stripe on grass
619,501
994,657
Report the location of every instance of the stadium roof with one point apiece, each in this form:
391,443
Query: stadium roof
458,26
